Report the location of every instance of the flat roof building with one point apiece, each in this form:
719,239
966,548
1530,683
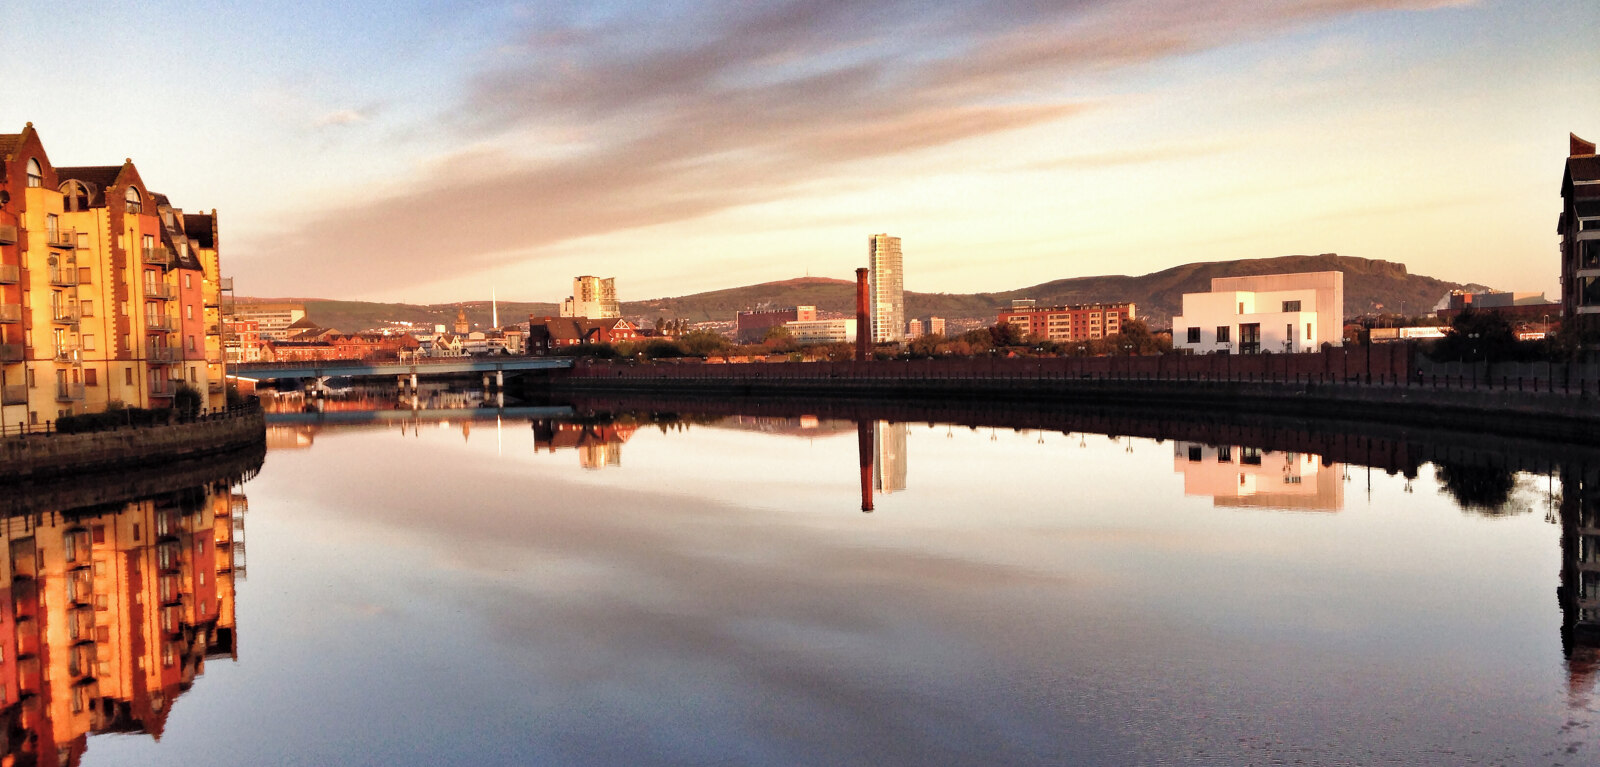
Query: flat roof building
1280,313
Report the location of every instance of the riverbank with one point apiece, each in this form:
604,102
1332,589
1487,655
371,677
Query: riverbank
1319,385
42,456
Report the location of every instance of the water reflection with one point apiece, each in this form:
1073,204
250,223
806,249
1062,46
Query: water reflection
115,608
1248,477
598,444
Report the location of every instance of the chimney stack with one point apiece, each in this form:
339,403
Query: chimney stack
863,319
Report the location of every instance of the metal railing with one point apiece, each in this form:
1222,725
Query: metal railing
159,290
64,315
62,238
63,277
159,322
14,395
8,234
66,353
157,255
162,387
10,274
251,408
163,354
69,392
10,314
214,386
11,352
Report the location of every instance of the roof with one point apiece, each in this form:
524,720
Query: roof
9,143
98,178
199,228
303,323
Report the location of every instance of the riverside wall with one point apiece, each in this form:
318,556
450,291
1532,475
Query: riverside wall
40,456
1379,383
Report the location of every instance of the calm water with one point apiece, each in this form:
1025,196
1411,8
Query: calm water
532,591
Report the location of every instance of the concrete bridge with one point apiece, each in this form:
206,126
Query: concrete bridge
318,369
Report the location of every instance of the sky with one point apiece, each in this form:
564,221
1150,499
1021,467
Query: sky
429,151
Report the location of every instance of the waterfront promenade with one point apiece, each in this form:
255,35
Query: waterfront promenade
37,456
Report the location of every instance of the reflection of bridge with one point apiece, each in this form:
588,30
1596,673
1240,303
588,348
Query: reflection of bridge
422,367
352,417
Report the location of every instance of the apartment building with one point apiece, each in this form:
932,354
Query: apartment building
593,298
274,321
1579,228
1078,322
886,288
1279,313
92,289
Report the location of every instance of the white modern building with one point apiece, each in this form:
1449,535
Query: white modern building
886,285
822,331
1279,313
592,297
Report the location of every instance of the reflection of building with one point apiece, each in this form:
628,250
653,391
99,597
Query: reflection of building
1250,478
111,617
1263,313
889,447
598,445
1579,592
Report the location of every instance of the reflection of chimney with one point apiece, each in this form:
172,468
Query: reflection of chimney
863,321
864,446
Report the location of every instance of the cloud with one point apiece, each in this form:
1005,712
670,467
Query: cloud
666,117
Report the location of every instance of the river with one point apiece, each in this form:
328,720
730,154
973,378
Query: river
664,585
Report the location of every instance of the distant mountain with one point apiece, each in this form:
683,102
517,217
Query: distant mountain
1369,286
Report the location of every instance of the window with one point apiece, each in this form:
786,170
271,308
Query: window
135,202
127,379
75,196
88,343
1194,454
86,308
91,377
1224,454
188,311
1194,335
1308,331
1241,307
84,274
186,282
1291,306
35,173
191,343
192,377
1224,334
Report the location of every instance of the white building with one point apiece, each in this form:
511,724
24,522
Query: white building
1276,313
822,331
592,297
886,287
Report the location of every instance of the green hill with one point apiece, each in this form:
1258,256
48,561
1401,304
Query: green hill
1369,286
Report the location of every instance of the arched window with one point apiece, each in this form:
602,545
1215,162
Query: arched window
35,172
74,196
135,203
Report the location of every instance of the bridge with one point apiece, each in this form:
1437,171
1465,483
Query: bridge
425,366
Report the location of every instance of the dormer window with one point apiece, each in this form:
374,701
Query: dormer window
135,203
74,196
35,173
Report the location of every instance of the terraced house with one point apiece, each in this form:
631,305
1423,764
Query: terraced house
108,293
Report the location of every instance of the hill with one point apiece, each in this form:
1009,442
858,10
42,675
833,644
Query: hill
1369,286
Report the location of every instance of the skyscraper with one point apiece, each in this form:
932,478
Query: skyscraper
592,297
888,289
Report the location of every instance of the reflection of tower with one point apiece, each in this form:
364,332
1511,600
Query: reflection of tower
889,443
864,440
1236,476
111,617
1579,592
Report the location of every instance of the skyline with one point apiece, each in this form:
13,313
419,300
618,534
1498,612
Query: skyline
426,152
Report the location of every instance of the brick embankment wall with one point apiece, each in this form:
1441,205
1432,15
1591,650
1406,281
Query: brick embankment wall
1337,383
39,456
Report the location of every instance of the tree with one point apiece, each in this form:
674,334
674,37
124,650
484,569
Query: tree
1475,336
702,342
779,339
1136,338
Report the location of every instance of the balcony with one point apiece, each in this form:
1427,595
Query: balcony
159,322
69,392
160,291
11,352
10,274
161,388
8,234
64,315
10,314
214,386
213,356
63,277
165,355
14,395
158,255
62,238
66,353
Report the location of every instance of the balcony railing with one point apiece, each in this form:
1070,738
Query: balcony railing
64,315
160,322
159,290
162,388
63,277
62,238
163,354
14,395
11,352
8,234
158,255
10,274
10,314
215,387
66,353
69,392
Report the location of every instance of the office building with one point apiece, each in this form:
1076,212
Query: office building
1279,313
273,321
1579,227
592,298
886,288
840,331
1078,322
752,327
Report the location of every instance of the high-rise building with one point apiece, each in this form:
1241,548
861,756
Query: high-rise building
1579,228
886,282
592,297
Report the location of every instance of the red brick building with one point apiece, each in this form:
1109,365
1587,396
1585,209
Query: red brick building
1079,322
546,334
